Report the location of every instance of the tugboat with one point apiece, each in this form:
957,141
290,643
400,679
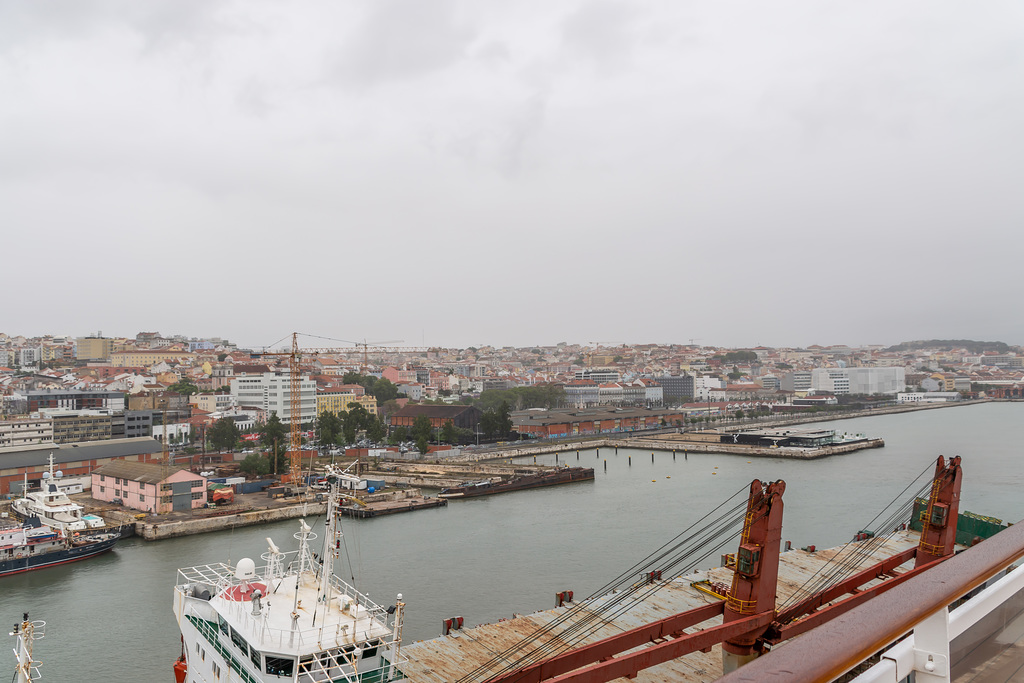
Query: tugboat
34,545
290,619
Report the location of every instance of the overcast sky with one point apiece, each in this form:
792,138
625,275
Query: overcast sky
466,173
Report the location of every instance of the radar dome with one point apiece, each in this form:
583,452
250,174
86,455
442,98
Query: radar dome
59,474
46,475
245,569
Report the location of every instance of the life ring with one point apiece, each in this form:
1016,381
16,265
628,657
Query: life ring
19,556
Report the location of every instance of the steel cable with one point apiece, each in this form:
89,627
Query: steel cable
670,555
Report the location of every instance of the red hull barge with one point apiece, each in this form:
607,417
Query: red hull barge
563,475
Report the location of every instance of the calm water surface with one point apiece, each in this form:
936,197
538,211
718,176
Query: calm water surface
110,618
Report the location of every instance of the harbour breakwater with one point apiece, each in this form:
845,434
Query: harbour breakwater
678,444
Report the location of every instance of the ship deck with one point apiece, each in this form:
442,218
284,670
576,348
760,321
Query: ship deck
295,616
450,658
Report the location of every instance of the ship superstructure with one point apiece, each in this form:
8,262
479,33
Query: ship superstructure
53,507
290,619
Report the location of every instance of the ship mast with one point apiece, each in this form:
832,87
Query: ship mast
332,539
27,633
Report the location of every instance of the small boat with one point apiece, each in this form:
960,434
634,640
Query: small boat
34,545
562,475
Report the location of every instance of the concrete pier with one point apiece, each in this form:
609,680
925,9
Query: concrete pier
159,530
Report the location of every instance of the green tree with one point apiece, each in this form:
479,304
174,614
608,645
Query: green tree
740,415
376,429
255,465
423,444
185,387
383,390
421,429
273,430
398,435
497,422
448,433
224,434
330,427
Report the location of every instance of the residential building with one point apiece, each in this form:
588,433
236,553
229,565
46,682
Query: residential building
93,348
25,432
582,393
796,382
676,387
414,390
212,403
599,375
72,426
271,391
73,399
139,423
653,395
144,359
336,401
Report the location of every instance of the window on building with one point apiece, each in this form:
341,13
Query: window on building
142,496
196,495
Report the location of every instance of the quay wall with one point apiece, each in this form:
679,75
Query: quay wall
740,449
160,530
656,444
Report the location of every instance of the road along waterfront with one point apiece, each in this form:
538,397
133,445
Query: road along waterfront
109,618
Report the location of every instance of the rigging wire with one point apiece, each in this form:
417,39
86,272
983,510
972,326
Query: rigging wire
825,577
670,556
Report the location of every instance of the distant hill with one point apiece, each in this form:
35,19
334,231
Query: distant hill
947,344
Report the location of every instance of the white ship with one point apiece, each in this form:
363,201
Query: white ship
289,620
53,507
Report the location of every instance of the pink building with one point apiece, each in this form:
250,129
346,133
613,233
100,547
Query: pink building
395,376
141,486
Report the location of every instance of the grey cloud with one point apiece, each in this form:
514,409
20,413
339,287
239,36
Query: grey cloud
603,30
399,40
159,22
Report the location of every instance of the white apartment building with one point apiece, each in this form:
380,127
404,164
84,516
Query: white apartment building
858,380
703,385
798,381
271,391
27,432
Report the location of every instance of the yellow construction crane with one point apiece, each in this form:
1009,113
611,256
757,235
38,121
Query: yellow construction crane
294,357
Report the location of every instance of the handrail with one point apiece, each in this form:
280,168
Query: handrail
866,629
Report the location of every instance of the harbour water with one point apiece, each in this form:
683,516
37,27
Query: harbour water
110,619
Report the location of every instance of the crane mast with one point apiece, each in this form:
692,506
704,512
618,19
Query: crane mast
294,357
